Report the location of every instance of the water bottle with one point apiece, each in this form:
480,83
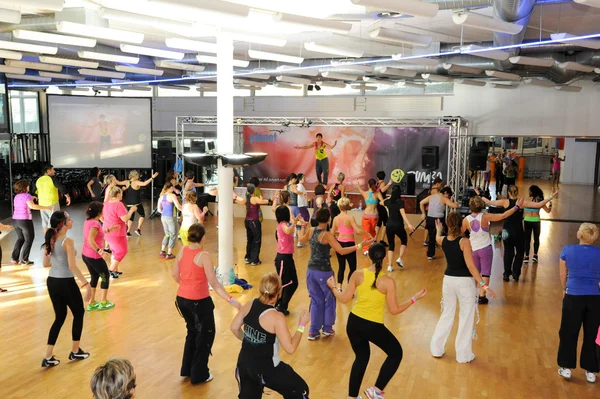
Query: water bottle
231,276
360,206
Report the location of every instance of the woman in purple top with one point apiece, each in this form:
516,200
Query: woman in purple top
253,225
22,223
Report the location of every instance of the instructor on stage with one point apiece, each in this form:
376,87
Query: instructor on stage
322,163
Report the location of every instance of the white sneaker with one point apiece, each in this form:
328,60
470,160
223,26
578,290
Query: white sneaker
399,262
210,378
590,377
300,245
565,373
366,253
390,269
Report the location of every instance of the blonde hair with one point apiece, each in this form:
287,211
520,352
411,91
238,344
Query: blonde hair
108,179
344,204
113,191
191,197
476,204
133,173
588,232
341,177
269,287
114,380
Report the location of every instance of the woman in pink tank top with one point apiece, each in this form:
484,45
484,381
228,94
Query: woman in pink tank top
284,261
194,271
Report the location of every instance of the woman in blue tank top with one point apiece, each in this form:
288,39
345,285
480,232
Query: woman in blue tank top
167,202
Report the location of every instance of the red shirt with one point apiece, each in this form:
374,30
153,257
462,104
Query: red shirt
193,283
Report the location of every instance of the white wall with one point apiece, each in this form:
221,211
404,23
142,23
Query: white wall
580,163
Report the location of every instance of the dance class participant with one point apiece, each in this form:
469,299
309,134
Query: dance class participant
115,214
381,210
580,280
437,211
23,203
133,198
302,197
167,202
322,301
344,227
436,186
284,260
95,186
111,181
512,231
94,256
318,203
396,227
366,322
499,173
114,380
532,223
253,225
556,160
459,285
191,214
3,227
370,215
282,198
189,184
478,225
510,173
322,162
194,271
290,187
336,192
47,188
59,256
262,330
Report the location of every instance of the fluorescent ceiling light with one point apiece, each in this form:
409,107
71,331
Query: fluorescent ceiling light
178,27
287,86
503,75
413,85
108,57
52,38
436,78
244,87
213,60
397,72
378,81
574,89
338,85
538,82
34,65
339,76
312,24
207,85
364,87
152,52
65,61
100,32
533,61
484,52
501,86
10,16
143,71
193,45
396,36
28,77
179,65
290,70
469,82
416,61
10,55
344,52
589,3
258,39
104,74
137,88
249,82
175,87
59,75
589,43
351,67
12,69
409,7
462,69
293,79
107,88
574,66
486,23
260,77
37,5
30,48
264,55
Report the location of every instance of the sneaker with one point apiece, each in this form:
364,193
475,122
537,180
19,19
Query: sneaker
210,378
246,261
3,289
128,234
256,263
162,254
399,262
525,259
80,355
14,262
106,305
329,333
390,269
506,277
93,306
483,300
385,244
50,362
366,252
114,275
118,272
284,311
169,256
590,377
425,243
535,259
516,279
26,263
313,337
138,232
107,250
300,245
373,393
565,373
430,258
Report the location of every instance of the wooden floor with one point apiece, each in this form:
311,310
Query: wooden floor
516,346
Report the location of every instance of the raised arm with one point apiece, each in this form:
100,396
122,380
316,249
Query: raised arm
495,217
541,204
145,183
388,286
347,295
449,202
287,342
238,321
303,147
330,146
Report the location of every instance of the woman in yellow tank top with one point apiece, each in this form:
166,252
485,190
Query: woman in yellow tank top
365,323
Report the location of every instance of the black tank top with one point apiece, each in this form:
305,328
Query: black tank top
133,197
336,193
514,223
293,196
383,193
457,267
260,348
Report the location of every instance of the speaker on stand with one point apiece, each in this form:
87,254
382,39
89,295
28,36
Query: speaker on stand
430,157
408,185
165,150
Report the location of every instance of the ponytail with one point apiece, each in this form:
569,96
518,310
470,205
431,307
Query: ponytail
377,254
57,222
378,266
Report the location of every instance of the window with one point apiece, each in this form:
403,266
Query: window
24,111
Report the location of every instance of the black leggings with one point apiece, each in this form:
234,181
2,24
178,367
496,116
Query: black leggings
513,254
360,333
351,258
393,231
578,311
98,269
200,322
64,293
532,227
281,379
253,240
140,211
333,208
288,275
25,237
431,229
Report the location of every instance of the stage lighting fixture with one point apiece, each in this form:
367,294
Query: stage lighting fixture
318,87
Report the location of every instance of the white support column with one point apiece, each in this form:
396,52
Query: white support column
225,146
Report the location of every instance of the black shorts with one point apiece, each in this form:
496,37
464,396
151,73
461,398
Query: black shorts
383,215
140,211
393,231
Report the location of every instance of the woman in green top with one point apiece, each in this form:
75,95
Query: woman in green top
510,173
322,163
533,222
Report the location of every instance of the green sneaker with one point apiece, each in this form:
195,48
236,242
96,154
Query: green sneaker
93,306
106,305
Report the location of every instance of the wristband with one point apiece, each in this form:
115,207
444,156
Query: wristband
485,287
84,285
481,283
230,300
550,199
413,300
516,207
359,246
300,328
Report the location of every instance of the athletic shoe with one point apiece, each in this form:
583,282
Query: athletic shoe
535,259
425,243
366,252
246,261
525,259
50,362
26,263
14,262
329,333
565,373
300,245
210,378
590,377
80,355
93,306
118,272
106,305
138,232
483,300
385,244
430,258
399,262
372,393
3,290
390,269
314,337
162,254
256,263
284,311
114,275
506,277
128,234
169,256
516,279
107,250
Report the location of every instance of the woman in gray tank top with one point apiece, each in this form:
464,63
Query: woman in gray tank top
437,211
59,256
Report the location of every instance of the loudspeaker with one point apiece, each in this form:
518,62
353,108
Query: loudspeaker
198,146
430,157
408,185
165,150
478,158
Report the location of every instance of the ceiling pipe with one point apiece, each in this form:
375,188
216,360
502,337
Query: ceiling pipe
517,12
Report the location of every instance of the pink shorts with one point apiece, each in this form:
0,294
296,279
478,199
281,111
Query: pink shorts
483,260
118,246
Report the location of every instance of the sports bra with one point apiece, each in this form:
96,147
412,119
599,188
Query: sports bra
347,231
371,200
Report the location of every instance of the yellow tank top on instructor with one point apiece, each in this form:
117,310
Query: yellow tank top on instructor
370,302
320,151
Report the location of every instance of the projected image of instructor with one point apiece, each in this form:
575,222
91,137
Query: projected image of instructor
104,128
322,162
47,188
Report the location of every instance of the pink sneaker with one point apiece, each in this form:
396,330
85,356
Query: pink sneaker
329,333
373,393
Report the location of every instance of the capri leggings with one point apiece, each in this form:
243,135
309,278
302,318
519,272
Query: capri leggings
483,260
393,231
351,258
98,270
140,211
118,246
383,215
65,294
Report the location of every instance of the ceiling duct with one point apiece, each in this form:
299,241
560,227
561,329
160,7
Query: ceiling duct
514,11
